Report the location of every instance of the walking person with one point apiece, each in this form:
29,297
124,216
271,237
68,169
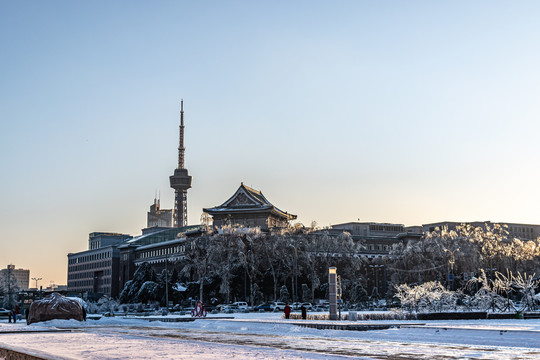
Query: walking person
287,311
16,313
304,312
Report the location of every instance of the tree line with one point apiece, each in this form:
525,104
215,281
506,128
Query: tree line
237,264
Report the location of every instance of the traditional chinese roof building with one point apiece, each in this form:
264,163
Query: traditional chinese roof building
248,207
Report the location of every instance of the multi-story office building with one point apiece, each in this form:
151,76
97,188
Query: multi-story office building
95,271
155,246
378,238
21,276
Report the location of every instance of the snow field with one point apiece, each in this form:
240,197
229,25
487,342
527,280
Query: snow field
267,336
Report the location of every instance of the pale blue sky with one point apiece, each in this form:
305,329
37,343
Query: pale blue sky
390,111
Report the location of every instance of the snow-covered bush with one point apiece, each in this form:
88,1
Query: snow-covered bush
107,304
430,296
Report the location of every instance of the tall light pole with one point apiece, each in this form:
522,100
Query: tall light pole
9,268
167,280
36,279
452,261
376,273
296,273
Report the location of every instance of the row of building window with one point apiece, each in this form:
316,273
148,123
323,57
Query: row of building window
521,229
378,247
392,228
105,289
87,284
86,275
161,252
95,265
86,258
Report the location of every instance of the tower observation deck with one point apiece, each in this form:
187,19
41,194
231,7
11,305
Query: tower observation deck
180,180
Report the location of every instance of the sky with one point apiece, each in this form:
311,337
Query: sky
389,111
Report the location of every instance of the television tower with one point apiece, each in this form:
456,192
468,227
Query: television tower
180,181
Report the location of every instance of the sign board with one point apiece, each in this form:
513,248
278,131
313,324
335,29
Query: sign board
451,277
339,301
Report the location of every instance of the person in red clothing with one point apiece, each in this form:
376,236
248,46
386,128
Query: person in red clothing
287,311
16,313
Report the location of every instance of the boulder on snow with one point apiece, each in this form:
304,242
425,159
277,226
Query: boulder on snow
55,306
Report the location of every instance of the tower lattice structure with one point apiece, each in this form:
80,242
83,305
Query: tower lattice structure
180,180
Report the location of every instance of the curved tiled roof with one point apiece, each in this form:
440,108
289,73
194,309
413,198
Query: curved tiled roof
246,199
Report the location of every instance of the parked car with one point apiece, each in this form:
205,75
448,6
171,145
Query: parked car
322,307
221,307
230,308
308,306
241,305
278,306
296,306
4,312
265,307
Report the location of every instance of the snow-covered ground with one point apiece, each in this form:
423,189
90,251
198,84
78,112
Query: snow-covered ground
268,336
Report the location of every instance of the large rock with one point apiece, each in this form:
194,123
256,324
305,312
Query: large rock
55,306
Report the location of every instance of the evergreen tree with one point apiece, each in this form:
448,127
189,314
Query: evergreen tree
284,294
131,289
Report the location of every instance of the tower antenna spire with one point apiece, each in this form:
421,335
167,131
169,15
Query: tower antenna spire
180,180
181,148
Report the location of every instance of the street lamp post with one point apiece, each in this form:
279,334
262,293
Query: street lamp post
376,273
296,273
36,279
167,280
9,287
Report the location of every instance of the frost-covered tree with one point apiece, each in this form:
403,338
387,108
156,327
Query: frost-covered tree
306,293
250,259
199,258
526,285
429,296
9,287
487,297
257,294
227,257
467,249
271,259
284,294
